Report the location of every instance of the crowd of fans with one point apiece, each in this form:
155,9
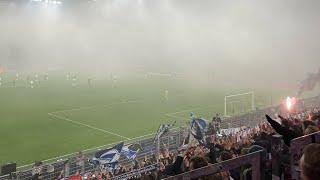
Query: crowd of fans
226,145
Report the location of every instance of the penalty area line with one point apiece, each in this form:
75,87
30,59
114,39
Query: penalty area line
190,110
173,115
92,107
86,125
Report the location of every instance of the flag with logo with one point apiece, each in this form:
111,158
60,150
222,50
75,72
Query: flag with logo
197,129
130,151
108,157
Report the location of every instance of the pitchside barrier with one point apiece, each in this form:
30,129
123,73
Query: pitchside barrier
5,177
70,165
136,172
249,166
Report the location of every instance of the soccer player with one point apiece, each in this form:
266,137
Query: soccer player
114,80
31,84
36,77
74,80
89,82
166,95
46,77
14,82
0,81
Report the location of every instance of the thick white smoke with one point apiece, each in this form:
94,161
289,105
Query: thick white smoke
246,42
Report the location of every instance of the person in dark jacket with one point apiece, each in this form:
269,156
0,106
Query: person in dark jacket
175,168
287,133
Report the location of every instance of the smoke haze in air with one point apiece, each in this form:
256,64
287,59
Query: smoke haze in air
241,41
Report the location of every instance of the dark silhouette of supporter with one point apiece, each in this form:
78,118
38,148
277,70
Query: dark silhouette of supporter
215,150
198,162
234,173
310,162
264,141
287,133
175,168
290,131
308,123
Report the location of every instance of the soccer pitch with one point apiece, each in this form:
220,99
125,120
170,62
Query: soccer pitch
55,118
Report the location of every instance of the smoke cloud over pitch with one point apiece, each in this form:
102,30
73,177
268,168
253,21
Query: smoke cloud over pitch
240,41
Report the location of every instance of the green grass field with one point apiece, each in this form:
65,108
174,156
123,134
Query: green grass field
55,118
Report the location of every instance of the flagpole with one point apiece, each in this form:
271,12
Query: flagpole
158,150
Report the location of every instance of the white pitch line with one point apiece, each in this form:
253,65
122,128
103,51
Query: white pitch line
207,107
180,111
63,118
91,107
86,125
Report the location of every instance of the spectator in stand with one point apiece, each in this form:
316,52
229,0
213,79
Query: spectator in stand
80,160
310,162
77,176
197,162
311,129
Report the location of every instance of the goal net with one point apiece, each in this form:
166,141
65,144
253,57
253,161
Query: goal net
236,104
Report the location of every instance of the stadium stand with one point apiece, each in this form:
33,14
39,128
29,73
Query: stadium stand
256,148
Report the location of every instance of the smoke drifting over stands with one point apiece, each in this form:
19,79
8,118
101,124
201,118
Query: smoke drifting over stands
245,41
310,82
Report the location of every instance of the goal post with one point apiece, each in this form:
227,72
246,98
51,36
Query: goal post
247,94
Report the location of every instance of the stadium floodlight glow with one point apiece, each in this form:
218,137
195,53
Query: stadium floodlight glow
53,2
47,2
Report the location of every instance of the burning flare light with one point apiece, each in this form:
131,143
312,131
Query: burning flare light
290,102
